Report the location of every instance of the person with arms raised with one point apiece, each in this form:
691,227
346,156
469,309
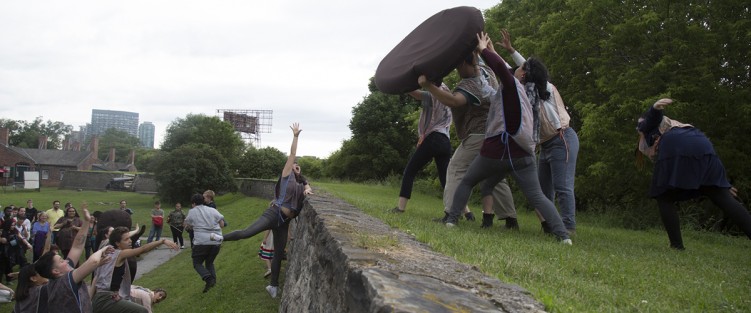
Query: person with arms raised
291,191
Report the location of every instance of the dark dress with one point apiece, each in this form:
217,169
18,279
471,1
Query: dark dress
685,160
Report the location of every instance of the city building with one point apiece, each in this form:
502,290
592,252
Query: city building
102,120
146,134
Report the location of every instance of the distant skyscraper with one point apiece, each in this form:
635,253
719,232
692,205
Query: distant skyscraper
102,120
146,134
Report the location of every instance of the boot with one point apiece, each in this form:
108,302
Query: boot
487,220
512,223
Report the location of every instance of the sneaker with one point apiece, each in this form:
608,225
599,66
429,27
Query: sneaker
210,282
271,290
512,223
443,219
268,272
452,221
182,247
396,210
567,242
215,237
469,216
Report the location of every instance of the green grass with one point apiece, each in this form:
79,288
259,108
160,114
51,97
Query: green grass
240,283
607,269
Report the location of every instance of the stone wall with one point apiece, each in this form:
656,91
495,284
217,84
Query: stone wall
145,183
259,188
343,260
87,180
93,180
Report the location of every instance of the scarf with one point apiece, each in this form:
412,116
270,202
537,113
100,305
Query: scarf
534,99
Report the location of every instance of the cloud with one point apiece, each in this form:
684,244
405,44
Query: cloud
308,61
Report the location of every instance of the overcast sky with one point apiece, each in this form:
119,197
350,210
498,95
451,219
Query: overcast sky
308,61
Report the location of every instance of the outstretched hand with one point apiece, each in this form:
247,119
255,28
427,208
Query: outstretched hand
662,103
482,40
85,209
296,129
506,41
171,244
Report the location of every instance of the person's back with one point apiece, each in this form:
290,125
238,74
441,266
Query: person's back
203,220
67,296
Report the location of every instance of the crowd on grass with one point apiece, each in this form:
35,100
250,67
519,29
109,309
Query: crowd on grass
40,252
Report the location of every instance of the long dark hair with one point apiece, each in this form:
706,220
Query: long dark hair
24,282
537,73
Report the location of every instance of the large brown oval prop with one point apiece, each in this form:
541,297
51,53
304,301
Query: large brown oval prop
434,49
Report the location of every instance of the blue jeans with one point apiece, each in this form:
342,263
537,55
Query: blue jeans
155,231
524,173
557,170
435,146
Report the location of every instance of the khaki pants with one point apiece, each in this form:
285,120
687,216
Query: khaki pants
503,201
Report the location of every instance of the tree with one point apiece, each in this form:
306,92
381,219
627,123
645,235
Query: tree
208,130
25,134
190,169
311,167
122,141
145,159
264,163
611,59
382,138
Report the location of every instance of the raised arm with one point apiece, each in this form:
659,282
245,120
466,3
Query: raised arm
452,100
95,260
47,239
506,44
494,61
80,240
292,151
145,248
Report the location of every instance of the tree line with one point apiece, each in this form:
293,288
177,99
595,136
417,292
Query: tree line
610,60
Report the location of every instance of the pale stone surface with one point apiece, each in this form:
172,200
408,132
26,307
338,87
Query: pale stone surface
328,269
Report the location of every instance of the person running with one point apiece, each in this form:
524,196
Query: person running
207,224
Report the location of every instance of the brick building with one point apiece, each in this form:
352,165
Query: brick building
50,163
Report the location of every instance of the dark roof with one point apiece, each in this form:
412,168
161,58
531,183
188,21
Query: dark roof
52,156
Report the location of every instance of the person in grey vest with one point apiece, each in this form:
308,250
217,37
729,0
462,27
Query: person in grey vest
67,289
